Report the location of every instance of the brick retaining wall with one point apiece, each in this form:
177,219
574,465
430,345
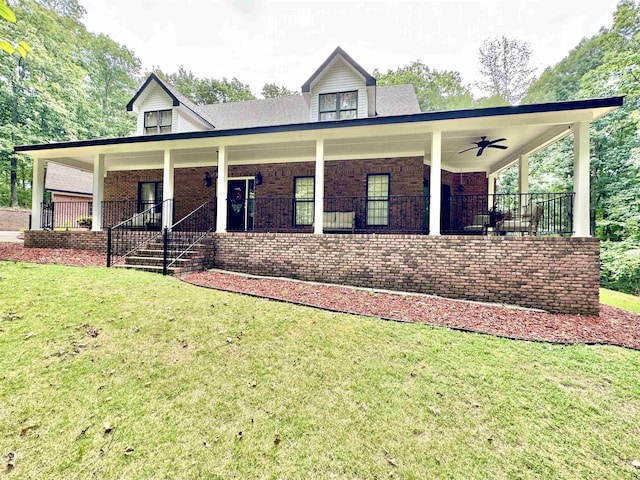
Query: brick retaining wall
14,219
85,240
559,275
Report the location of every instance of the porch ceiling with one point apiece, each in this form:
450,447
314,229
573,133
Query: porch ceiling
525,133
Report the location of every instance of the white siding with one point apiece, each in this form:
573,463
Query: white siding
155,99
339,77
187,124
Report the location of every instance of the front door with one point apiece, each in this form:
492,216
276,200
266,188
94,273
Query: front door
241,194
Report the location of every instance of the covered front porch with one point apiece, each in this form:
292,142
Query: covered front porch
461,214
406,174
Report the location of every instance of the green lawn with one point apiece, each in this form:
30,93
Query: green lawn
183,382
621,300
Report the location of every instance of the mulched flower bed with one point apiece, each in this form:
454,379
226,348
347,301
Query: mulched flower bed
613,326
79,258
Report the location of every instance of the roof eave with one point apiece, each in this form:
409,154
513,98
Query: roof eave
369,80
155,78
610,102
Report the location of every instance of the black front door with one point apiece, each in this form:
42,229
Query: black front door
445,209
240,204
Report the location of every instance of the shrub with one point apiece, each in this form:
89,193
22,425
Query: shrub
84,222
620,266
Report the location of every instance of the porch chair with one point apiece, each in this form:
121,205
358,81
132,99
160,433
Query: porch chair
526,222
479,224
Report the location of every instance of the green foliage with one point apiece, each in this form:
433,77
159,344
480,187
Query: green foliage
604,65
620,265
73,85
84,222
271,90
436,90
202,91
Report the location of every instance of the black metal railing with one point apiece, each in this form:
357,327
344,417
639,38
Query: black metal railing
66,215
117,211
394,214
183,235
133,233
475,214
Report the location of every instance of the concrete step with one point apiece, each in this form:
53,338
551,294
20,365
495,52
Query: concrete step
159,253
149,268
157,260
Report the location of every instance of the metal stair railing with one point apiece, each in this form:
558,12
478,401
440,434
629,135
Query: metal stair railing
187,232
134,233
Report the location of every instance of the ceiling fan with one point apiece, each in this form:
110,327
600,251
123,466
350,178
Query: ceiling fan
484,143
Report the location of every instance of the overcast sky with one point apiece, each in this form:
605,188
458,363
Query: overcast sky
260,41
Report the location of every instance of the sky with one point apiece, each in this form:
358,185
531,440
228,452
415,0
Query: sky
263,41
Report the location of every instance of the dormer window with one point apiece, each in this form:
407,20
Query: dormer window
158,121
338,106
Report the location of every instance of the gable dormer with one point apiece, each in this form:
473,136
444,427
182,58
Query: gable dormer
159,108
340,89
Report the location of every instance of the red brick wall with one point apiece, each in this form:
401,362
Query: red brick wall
81,240
555,274
14,219
342,179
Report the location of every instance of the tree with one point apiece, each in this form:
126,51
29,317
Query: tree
113,76
436,90
271,90
504,63
56,98
22,48
203,91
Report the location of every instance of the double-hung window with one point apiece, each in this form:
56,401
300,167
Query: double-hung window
338,106
378,200
158,121
304,200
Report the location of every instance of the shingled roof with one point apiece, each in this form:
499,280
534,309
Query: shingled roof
64,179
178,98
395,100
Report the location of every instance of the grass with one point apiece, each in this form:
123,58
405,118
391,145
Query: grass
183,382
621,300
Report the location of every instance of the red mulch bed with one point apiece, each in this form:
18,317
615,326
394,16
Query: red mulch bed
613,326
79,258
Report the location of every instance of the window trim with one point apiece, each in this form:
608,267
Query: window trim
158,126
337,109
311,200
379,199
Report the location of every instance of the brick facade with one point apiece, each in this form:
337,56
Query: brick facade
559,275
14,219
555,274
81,240
345,189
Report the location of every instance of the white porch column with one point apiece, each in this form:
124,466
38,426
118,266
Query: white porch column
435,182
318,213
37,194
221,191
581,180
167,190
98,192
523,174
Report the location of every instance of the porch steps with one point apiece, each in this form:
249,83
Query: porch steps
150,257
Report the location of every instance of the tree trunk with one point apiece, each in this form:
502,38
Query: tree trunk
14,181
